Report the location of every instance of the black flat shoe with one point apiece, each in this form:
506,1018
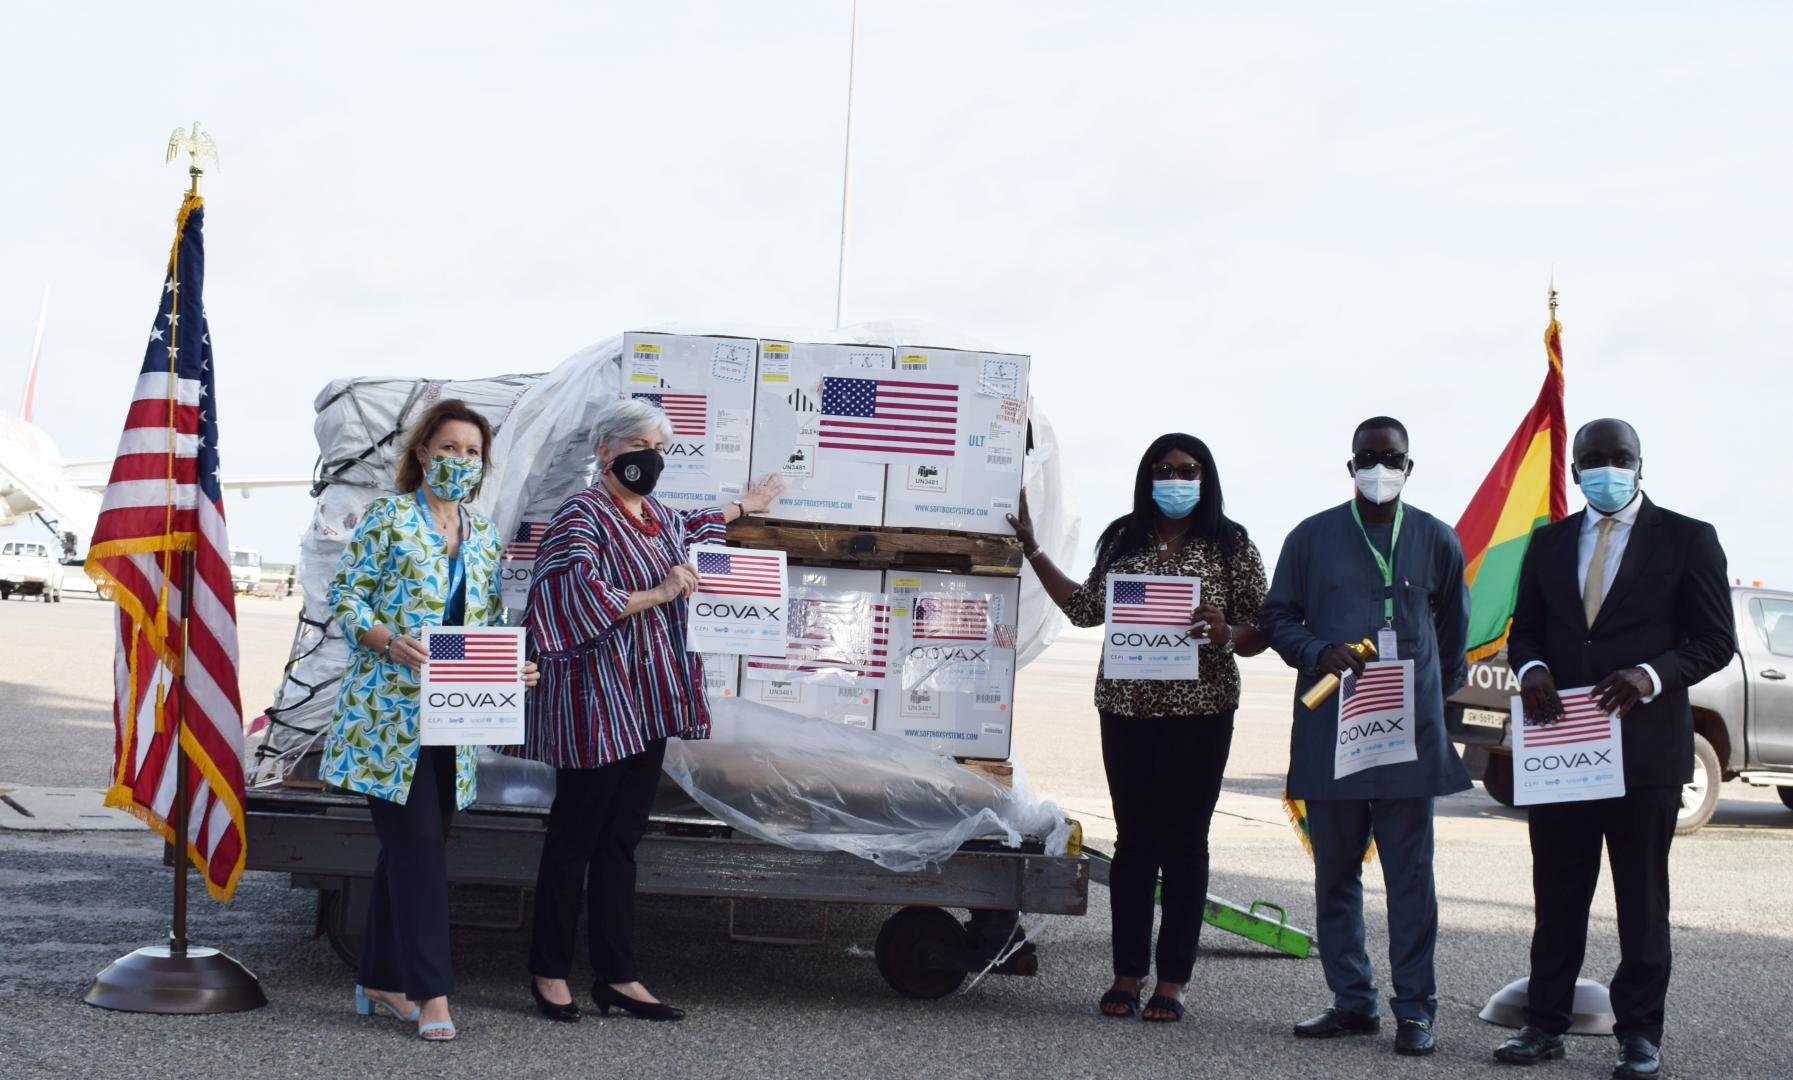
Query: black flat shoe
564,1014
1414,1038
1529,1047
606,998
1335,1022
1128,1002
1639,1059
1162,1004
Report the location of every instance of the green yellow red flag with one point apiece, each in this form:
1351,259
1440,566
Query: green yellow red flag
1524,490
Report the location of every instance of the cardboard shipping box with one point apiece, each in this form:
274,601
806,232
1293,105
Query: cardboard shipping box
835,696
786,427
705,385
963,704
976,489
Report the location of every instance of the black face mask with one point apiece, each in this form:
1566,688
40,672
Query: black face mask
638,470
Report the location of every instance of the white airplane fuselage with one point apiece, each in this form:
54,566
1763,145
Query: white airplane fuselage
32,482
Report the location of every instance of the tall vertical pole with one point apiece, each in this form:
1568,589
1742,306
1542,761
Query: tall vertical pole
846,177
177,937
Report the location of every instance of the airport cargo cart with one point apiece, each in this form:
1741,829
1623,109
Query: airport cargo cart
325,841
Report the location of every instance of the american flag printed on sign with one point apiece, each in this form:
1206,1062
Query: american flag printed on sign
528,541
1582,722
950,618
472,657
1378,690
689,413
889,418
1153,603
833,635
739,573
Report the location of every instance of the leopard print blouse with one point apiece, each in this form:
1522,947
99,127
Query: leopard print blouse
1234,585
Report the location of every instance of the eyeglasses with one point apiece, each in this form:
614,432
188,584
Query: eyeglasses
1369,459
1187,470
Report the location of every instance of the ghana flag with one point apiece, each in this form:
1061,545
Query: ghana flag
1524,490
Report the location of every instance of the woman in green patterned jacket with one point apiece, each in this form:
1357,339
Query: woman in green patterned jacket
418,559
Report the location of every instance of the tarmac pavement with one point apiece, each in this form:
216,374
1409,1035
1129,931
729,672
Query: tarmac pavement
71,900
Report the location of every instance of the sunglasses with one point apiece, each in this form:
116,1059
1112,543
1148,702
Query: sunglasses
1188,470
1369,459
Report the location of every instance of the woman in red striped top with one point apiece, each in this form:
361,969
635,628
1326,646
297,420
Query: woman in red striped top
607,628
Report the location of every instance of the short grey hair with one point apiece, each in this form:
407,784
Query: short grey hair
629,419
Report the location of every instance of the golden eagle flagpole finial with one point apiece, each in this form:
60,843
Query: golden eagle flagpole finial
199,145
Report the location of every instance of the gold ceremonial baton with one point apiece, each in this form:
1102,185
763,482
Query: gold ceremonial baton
1318,693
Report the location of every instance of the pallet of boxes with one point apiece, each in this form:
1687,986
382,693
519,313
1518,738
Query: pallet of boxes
900,465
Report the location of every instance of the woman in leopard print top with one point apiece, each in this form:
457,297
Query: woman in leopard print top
1165,743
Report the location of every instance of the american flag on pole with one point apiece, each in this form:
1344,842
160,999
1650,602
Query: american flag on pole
951,618
1153,603
473,656
845,636
163,500
739,573
689,413
888,419
1382,688
1582,722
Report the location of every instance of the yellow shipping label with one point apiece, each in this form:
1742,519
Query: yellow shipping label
905,583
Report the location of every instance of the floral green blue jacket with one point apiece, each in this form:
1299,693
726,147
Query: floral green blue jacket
395,573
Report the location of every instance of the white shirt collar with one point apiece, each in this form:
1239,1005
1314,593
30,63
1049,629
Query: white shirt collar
1624,518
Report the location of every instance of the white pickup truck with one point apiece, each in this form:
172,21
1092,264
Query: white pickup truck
29,569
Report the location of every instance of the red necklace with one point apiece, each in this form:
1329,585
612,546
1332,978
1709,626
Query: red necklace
647,523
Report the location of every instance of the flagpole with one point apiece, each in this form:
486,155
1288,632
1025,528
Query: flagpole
846,176
179,977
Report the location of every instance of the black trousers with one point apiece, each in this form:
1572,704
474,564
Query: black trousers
1164,776
405,944
598,817
1566,839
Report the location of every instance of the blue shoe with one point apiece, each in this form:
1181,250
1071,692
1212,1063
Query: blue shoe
365,1006
440,1031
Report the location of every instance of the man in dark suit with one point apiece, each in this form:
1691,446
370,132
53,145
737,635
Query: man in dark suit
1632,599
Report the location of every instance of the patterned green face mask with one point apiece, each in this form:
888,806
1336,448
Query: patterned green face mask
452,478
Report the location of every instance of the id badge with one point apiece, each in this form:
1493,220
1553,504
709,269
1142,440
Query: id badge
1387,647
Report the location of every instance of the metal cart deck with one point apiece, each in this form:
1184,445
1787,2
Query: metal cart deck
326,841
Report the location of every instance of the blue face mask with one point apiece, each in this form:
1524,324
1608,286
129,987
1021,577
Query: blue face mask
1177,498
1608,489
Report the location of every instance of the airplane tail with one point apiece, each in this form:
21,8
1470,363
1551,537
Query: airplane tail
37,349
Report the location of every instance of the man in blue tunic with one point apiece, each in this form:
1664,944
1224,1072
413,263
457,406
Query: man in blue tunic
1361,570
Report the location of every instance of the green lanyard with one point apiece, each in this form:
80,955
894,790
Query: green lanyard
1384,565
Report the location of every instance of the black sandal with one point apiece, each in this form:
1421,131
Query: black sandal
1163,1004
1129,1001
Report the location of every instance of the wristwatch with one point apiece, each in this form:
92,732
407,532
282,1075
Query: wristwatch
742,505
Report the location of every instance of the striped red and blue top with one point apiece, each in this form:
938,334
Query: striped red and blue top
609,685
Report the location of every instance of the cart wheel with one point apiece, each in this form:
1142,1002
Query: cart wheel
341,925
911,949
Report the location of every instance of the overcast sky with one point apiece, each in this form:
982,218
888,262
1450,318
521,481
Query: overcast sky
1255,223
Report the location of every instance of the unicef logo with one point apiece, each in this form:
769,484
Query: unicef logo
632,472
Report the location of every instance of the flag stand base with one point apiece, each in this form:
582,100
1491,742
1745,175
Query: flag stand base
155,979
1591,1013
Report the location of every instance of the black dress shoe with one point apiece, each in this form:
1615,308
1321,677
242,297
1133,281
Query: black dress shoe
564,1014
606,998
1415,1038
1335,1022
1529,1047
1639,1059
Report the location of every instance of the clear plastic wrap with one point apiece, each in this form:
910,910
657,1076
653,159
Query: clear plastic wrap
816,785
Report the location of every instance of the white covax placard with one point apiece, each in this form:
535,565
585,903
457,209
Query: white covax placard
1578,757
1375,718
740,604
471,692
1147,634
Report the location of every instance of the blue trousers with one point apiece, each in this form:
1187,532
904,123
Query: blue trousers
1339,829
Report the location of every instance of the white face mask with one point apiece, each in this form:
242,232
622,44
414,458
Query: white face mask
1381,484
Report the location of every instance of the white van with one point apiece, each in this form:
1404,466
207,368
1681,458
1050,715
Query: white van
29,569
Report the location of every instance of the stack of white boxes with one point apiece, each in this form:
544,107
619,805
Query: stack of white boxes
787,426
968,723
855,706
705,384
976,491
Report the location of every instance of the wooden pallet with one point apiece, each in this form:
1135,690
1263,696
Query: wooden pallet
876,547
1002,772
